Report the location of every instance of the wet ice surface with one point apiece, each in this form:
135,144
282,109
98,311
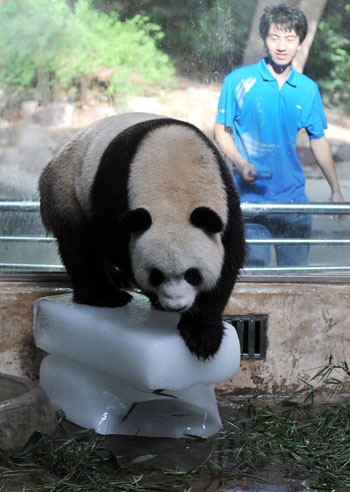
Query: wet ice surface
114,360
140,345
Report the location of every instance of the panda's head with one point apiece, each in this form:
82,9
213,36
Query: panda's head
174,260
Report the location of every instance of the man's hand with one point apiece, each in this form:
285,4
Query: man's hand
337,197
248,173
323,155
228,147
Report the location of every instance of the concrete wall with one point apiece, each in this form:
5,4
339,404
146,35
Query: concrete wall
306,324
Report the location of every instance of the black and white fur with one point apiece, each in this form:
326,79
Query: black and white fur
140,199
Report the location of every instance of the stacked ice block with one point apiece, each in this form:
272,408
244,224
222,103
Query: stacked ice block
126,370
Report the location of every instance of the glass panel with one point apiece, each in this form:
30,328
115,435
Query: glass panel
67,63
24,245
304,238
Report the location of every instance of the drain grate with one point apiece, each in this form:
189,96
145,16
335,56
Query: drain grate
251,330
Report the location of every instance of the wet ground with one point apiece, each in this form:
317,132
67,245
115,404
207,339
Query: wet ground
186,465
191,464
174,455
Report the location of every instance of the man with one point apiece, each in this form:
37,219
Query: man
261,109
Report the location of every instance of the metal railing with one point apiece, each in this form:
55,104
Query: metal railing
249,210
296,208
23,206
321,209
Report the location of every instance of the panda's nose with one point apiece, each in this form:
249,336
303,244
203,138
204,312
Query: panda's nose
173,306
176,295
179,309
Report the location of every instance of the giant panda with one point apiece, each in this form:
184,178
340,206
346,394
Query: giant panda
147,201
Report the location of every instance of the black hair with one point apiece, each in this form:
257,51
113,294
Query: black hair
285,16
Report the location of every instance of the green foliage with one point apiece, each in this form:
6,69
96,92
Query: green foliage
210,35
44,37
329,58
204,37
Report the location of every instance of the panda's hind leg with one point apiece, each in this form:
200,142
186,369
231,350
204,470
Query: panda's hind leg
89,271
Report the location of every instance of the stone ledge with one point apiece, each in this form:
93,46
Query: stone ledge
307,322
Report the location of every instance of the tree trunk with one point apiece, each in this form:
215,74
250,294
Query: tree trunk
313,11
43,86
255,49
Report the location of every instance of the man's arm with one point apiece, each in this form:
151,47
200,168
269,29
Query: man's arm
323,155
228,147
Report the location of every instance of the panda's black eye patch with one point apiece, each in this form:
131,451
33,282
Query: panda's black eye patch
137,220
193,277
156,277
207,219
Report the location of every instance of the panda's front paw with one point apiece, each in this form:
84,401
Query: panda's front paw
119,279
202,337
109,298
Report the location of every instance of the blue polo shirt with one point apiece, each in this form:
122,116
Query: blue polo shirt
265,122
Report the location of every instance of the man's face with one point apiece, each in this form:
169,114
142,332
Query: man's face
283,45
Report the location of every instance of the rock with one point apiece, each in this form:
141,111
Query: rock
8,134
340,151
59,115
29,107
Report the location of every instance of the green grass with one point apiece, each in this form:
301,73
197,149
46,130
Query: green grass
80,462
300,434
306,436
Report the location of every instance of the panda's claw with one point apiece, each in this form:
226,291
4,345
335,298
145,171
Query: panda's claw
202,337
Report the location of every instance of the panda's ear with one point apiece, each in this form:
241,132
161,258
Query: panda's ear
137,220
206,218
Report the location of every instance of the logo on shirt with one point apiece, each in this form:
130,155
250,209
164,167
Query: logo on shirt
254,148
243,88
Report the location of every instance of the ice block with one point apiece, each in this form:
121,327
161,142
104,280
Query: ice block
127,370
93,399
135,343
